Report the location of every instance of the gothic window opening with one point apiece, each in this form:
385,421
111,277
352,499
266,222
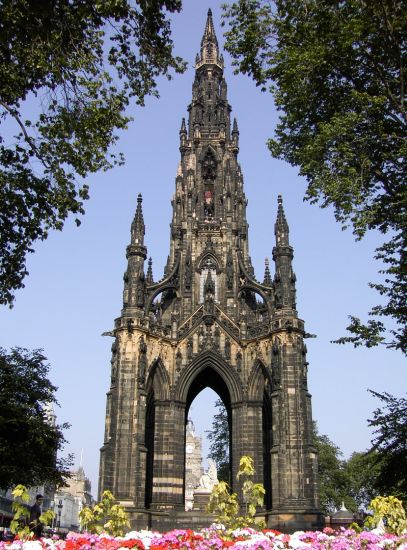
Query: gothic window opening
209,166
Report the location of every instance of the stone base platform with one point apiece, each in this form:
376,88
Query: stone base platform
285,521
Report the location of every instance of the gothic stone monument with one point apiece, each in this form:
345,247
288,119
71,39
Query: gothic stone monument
209,323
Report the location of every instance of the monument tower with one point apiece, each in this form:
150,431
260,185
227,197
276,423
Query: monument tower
209,323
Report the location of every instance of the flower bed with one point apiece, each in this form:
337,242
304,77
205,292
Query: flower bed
217,539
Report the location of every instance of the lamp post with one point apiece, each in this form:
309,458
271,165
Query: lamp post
60,505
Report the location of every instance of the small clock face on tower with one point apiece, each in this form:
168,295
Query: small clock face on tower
189,448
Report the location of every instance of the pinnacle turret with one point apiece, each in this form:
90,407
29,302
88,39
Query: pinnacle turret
149,276
267,275
138,227
284,279
281,230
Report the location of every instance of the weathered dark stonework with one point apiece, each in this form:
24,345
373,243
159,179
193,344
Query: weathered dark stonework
209,323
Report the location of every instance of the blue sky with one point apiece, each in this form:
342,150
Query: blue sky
74,290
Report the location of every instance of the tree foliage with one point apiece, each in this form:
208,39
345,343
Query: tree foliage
28,441
105,517
352,481
21,514
219,441
68,70
225,505
390,512
337,71
361,472
390,444
331,475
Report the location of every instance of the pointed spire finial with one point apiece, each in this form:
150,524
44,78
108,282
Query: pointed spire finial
209,42
267,274
149,276
281,229
235,128
138,227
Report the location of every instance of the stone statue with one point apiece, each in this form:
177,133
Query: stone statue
188,272
208,479
227,349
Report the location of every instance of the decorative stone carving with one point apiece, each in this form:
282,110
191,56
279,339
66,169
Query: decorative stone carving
142,361
190,350
239,360
229,271
188,272
209,165
141,290
227,349
178,360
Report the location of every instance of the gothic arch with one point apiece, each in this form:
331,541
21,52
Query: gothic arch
258,389
212,257
256,290
258,377
159,291
158,381
209,150
210,362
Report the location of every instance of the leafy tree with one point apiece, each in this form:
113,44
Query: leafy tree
388,511
28,441
337,71
219,441
105,517
390,445
332,482
68,70
20,523
361,472
225,505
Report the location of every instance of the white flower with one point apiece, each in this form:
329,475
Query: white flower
32,545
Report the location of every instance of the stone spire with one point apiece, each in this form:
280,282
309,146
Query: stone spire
281,230
209,43
284,279
149,276
267,276
183,134
138,227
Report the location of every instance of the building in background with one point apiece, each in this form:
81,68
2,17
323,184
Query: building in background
69,501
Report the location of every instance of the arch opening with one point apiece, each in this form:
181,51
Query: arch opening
212,414
162,306
254,305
